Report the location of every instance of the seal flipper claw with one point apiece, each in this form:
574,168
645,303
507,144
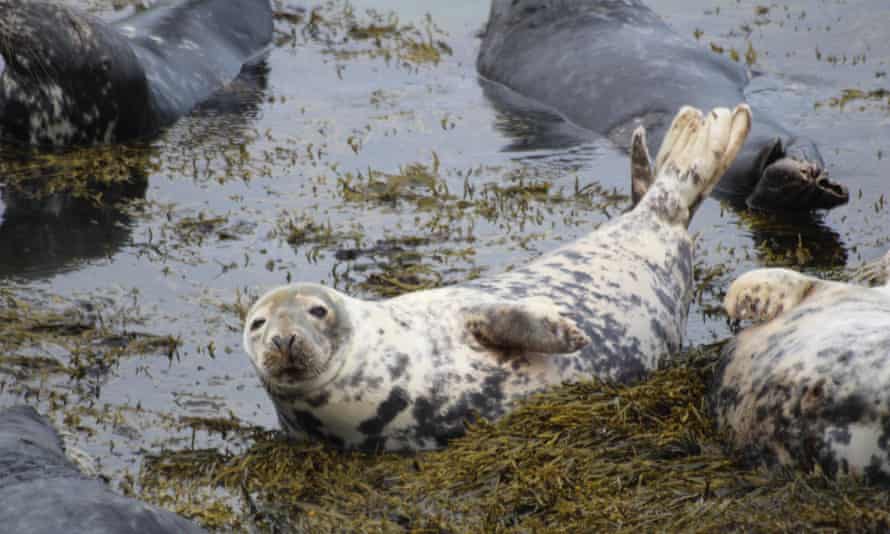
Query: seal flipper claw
641,177
527,327
762,294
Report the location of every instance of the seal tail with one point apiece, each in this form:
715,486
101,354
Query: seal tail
695,153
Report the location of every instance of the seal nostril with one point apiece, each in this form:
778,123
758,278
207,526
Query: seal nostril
284,344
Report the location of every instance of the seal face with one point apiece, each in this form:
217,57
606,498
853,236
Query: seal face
601,60
408,372
42,491
69,78
296,335
810,385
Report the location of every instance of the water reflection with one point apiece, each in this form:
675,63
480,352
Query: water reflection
43,233
62,210
529,125
799,240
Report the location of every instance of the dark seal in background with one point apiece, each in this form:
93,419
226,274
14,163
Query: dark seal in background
609,65
69,78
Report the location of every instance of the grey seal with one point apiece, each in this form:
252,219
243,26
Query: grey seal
69,78
406,373
608,65
41,490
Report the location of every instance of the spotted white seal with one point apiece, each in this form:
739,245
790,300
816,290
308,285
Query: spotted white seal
810,385
405,373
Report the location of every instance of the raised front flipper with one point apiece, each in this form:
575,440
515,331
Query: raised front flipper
527,326
762,294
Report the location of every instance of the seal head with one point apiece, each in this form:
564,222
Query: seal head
793,177
294,334
66,77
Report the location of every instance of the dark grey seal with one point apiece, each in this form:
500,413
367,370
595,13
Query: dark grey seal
68,78
41,491
610,65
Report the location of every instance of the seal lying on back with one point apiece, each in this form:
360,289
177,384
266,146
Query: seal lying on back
607,65
42,492
405,373
810,386
68,78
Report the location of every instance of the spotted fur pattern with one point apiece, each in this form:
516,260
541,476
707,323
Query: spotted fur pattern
410,371
811,385
68,78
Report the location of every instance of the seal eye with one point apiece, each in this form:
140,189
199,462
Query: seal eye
318,311
257,323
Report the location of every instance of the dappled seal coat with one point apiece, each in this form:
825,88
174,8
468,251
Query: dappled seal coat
608,65
69,78
42,492
405,373
810,385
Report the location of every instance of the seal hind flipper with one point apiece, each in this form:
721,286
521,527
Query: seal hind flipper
695,153
641,177
762,294
528,327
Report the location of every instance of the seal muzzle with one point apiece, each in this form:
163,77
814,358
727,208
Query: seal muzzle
298,356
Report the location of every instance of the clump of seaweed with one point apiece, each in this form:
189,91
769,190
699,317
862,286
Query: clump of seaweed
75,338
94,174
584,457
848,96
348,35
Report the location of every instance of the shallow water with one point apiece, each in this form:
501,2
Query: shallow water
289,152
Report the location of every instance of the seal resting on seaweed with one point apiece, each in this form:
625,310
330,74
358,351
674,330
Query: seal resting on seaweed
41,491
810,385
405,373
608,65
68,78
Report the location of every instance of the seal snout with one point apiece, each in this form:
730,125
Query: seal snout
296,355
797,185
284,344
